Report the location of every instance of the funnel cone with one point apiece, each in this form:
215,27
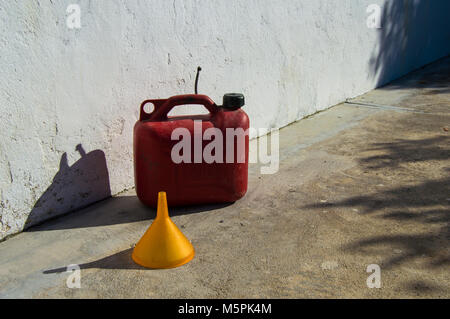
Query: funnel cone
163,244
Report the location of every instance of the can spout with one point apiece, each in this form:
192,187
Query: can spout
196,79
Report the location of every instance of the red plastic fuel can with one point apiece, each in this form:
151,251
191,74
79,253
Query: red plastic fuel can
196,180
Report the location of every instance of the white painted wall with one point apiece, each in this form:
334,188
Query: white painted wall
62,87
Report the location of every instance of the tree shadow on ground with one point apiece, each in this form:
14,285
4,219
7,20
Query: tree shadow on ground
435,78
425,204
412,33
401,151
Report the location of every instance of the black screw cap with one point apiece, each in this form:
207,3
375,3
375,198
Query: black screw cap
233,101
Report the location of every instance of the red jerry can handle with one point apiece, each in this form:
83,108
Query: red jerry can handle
163,106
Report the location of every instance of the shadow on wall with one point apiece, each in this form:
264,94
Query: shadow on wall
412,34
84,185
73,187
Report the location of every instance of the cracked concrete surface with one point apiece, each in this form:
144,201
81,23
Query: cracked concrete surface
358,184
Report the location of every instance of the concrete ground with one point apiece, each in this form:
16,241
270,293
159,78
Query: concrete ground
365,182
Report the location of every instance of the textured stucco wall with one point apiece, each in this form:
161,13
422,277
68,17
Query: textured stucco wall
69,97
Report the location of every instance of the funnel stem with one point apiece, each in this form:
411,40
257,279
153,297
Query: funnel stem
162,211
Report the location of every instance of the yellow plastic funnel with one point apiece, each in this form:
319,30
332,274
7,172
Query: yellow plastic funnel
163,244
